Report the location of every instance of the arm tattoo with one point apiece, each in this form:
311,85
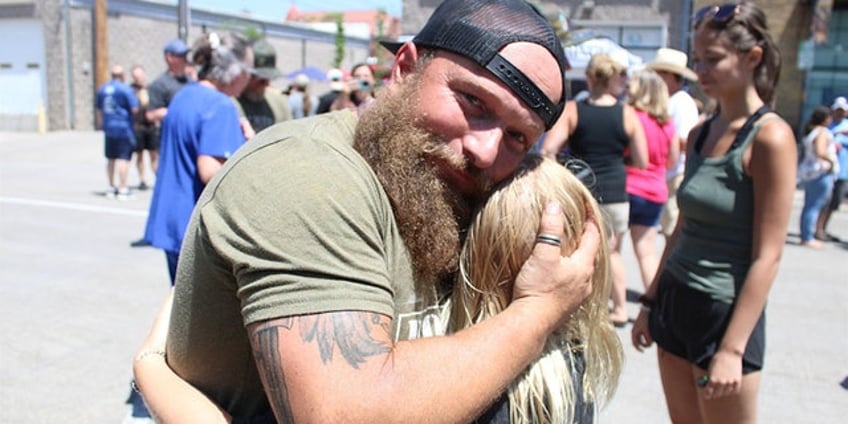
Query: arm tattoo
350,332
267,340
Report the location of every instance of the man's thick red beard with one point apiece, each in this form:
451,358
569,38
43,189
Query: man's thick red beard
431,215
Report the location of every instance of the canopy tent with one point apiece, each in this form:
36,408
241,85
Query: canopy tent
584,44
314,73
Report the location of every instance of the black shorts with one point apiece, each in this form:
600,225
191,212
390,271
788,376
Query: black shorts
146,139
838,194
119,148
690,324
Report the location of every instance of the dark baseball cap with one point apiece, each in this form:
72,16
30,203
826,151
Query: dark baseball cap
176,47
265,60
480,29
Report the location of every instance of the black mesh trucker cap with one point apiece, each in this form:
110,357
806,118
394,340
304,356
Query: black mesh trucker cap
479,29
265,60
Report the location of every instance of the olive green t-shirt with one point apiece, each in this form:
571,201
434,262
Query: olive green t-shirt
295,223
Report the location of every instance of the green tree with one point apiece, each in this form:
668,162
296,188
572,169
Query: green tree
340,40
252,33
376,50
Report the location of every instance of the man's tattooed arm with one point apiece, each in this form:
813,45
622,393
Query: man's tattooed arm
354,336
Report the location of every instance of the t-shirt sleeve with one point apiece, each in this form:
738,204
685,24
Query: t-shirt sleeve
301,239
220,132
98,102
685,114
279,104
157,95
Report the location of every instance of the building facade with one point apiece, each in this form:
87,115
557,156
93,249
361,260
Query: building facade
47,56
812,78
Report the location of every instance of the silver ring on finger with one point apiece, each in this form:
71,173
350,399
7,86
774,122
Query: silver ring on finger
549,239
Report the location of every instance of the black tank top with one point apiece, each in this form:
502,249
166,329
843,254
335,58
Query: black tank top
600,141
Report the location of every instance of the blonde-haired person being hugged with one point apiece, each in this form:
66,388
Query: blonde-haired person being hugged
580,366
647,188
705,309
601,130
816,172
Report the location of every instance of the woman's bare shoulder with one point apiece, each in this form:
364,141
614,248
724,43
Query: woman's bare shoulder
774,131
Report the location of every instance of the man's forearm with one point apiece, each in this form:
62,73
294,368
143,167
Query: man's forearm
156,115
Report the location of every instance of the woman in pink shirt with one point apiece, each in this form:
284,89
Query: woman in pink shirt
647,187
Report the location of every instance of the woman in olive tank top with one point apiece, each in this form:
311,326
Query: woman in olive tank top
705,309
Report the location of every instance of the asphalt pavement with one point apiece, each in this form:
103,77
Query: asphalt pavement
77,299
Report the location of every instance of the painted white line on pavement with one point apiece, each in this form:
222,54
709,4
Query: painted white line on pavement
72,206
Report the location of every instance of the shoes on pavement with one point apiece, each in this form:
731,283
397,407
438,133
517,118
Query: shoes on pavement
813,243
140,243
123,194
827,237
143,186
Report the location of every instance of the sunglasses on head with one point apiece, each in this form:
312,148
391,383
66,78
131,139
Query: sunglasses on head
720,14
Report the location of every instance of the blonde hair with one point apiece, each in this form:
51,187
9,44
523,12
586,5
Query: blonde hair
649,93
501,237
602,68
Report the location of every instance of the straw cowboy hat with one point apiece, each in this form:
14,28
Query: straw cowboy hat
674,61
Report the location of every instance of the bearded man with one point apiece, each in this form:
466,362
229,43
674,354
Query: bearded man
314,262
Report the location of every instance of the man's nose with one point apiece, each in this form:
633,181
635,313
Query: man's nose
481,146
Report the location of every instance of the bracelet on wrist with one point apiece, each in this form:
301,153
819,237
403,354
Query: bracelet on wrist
135,387
738,352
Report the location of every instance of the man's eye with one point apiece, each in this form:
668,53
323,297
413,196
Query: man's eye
518,141
473,100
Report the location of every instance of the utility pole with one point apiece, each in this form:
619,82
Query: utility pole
101,44
184,17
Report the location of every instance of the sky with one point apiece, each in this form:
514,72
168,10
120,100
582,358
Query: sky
277,9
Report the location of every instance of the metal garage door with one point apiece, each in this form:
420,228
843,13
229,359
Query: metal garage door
22,75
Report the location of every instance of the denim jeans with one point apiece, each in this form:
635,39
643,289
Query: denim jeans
816,193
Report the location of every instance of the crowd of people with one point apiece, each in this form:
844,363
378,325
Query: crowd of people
823,171
324,270
259,104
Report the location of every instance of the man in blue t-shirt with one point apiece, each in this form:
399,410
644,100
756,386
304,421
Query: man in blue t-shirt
839,128
116,106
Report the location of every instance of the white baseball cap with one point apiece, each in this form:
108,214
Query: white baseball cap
335,76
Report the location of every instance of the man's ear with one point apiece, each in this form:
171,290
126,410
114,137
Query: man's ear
406,59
